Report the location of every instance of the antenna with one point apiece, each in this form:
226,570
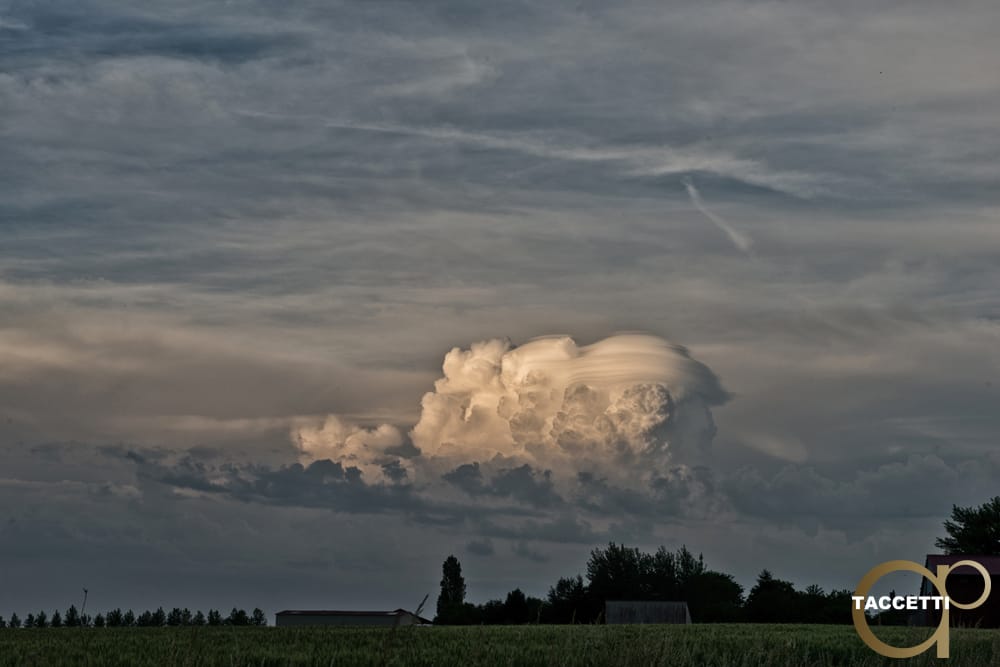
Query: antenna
83,609
420,607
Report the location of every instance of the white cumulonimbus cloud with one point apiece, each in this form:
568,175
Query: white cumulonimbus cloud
367,449
627,405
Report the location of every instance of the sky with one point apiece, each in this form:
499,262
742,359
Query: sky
299,298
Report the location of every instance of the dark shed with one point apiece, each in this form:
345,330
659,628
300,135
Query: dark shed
618,612
964,585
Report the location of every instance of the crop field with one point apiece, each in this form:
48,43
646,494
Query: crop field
677,646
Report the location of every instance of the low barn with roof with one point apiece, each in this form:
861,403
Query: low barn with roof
618,612
965,585
291,618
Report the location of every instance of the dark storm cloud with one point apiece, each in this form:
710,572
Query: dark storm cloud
467,477
323,483
523,550
482,547
566,527
523,483
526,484
917,486
94,30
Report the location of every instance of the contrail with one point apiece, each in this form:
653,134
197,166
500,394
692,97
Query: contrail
741,241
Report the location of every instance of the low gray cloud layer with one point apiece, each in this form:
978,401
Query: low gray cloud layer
225,226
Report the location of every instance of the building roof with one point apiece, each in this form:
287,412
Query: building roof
646,611
339,612
991,563
648,602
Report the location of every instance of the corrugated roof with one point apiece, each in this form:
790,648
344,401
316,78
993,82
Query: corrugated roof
991,563
337,612
646,611
341,612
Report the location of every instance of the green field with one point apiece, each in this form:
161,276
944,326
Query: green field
677,646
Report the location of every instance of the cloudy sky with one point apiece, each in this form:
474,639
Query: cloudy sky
298,298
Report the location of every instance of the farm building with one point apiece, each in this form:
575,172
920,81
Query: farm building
289,618
964,585
617,612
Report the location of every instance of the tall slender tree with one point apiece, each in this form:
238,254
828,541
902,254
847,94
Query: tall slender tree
451,601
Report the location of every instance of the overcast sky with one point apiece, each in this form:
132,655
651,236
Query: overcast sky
239,241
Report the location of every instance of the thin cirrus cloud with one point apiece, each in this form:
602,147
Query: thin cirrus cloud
639,160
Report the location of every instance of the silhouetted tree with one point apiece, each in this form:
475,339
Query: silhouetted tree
661,575
72,618
15,621
41,620
258,618
973,530
145,619
3,623
199,619
214,617
771,600
537,609
713,597
811,604
56,621
99,621
515,608
492,613
186,616
625,573
617,573
570,602
837,608
174,617
159,617
238,617
450,602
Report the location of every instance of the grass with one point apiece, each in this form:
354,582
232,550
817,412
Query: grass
676,646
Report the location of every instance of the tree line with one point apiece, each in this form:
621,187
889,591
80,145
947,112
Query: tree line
618,572
116,618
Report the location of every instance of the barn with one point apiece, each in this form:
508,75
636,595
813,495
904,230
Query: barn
300,618
618,612
964,585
